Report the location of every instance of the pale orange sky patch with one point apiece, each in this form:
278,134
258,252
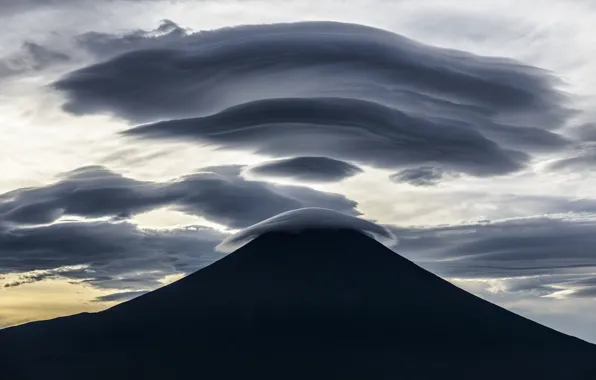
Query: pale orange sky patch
48,299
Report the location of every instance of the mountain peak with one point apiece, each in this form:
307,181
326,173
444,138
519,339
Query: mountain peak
311,218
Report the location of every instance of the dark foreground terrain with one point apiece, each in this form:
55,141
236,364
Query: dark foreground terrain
322,304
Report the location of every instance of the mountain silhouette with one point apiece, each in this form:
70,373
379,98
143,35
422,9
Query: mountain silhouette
317,304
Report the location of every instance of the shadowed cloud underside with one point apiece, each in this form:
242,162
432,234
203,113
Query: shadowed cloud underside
376,97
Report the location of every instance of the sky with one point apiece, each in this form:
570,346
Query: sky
137,135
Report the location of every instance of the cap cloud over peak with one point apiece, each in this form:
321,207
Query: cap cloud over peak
306,218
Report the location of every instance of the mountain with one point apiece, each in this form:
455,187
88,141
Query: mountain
317,304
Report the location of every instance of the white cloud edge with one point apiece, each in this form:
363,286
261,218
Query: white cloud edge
306,218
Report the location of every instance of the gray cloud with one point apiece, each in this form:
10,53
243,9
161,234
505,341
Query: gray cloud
219,194
10,7
524,247
106,45
109,255
495,83
319,169
121,296
345,128
30,278
583,155
225,197
537,256
582,159
453,106
118,255
585,293
585,132
576,285
31,57
90,191
421,176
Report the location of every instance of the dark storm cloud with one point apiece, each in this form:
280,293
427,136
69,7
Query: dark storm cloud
219,194
109,255
421,176
346,128
493,105
318,169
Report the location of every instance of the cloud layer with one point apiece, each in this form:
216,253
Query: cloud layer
543,255
108,255
219,194
317,169
38,242
382,99
31,57
345,128
420,176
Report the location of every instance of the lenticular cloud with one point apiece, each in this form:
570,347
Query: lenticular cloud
343,91
306,218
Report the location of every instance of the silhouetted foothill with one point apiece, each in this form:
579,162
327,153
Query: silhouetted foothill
321,303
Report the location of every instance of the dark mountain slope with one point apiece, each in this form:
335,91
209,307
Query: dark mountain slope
317,304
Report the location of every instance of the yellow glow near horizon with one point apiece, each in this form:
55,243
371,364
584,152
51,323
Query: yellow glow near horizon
48,299
165,218
171,278
53,298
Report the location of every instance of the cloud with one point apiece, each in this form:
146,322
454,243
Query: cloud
346,128
560,286
223,196
421,176
9,7
302,49
585,293
306,218
119,255
108,255
107,45
92,191
121,296
30,278
585,132
31,57
219,194
583,158
317,169
261,86
540,257
518,247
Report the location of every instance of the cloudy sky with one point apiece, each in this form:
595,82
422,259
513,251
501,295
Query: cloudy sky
137,135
